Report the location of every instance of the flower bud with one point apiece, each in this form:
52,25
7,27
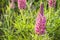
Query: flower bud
40,22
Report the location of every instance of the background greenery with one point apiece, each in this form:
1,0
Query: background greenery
18,24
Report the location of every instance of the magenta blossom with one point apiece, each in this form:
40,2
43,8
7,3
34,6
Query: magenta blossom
21,4
52,3
40,22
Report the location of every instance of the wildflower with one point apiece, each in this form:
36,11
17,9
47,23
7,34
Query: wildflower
52,3
12,5
21,4
40,21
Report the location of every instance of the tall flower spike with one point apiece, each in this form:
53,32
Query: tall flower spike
52,3
21,4
40,21
12,5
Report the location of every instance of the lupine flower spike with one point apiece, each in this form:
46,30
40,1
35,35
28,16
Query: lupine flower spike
21,4
52,3
12,5
40,21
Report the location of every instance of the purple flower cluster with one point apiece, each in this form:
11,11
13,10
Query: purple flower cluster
52,3
21,4
40,22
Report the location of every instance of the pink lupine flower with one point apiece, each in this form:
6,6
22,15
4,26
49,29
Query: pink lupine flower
40,21
21,4
12,5
52,3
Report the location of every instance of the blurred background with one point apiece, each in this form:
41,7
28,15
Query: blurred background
19,25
